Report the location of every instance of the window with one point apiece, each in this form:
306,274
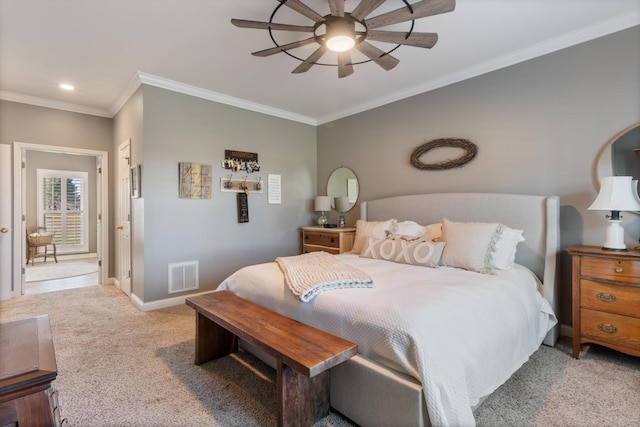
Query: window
62,208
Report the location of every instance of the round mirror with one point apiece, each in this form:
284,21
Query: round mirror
620,156
343,189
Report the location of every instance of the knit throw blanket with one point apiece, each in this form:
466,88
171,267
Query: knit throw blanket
310,274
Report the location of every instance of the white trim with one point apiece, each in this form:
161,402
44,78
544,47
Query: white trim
186,89
50,103
162,303
566,331
131,88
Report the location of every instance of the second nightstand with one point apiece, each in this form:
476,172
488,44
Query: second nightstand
332,240
606,298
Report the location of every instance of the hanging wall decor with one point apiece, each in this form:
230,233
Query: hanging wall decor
470,150
195,181
241,161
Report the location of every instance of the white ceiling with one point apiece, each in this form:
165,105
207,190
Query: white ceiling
107,48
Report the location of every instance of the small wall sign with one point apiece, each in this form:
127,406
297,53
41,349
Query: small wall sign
243,208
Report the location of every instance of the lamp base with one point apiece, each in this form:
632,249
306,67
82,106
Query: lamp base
322,220
615,237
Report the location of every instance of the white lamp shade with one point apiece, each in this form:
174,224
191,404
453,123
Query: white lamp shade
323,204
616,194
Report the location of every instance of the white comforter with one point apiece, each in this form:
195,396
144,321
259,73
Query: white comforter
461,334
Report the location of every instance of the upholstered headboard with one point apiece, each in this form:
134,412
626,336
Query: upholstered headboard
538,216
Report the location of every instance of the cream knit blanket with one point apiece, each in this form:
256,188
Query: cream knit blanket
310,274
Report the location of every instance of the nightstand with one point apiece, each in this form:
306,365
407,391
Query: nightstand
606,298
332,240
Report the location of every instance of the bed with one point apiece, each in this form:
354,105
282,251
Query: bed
433,375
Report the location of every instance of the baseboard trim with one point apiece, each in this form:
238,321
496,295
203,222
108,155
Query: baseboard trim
162,303
566,331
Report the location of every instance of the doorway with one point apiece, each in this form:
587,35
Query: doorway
100,160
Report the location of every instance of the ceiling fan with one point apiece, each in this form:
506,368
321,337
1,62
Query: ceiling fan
340,31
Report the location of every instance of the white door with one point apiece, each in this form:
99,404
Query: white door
123,221
5,222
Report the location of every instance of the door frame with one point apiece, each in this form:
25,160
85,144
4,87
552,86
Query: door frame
19,207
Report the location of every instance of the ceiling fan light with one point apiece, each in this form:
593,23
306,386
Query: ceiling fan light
340,43
340,35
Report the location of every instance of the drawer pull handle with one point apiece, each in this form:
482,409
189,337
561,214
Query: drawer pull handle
333,239
619,270
609,329
606,297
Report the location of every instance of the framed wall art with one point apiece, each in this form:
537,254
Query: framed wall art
135,182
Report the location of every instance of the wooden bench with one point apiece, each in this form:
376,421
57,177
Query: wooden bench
303,353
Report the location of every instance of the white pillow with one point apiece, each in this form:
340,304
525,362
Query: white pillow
409,228
376,229
505,254
405,250
469,245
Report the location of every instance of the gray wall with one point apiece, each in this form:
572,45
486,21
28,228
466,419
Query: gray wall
67,162
539,126
181,128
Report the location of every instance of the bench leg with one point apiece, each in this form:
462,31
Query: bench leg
212,340
301,400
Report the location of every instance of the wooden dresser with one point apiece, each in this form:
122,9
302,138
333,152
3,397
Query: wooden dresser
27,370
332,240
606,298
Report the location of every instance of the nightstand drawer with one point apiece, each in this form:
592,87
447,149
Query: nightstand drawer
613,328
322,239
620,299
620,270
310,248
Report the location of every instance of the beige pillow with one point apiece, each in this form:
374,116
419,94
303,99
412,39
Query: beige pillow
469,245
432,232
377,229
404,249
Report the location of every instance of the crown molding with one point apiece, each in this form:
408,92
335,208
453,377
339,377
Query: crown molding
602,29
134,83
186,89
49,103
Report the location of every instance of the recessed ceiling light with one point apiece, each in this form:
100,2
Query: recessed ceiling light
66,86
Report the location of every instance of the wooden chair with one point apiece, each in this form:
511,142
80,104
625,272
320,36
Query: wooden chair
38,237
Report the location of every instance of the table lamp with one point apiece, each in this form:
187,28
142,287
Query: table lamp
616,194
322,205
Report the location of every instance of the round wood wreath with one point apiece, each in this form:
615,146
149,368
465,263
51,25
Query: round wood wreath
469,148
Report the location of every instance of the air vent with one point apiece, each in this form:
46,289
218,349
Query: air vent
183,276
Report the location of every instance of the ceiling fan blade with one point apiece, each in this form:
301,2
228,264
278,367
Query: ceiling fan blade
426,40
345,67
336,7
421,9
378,56
312,59
365,7
303,9
243,23
284,47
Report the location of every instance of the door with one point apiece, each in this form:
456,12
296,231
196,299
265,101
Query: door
123,222
5,222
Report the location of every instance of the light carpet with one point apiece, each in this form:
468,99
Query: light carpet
118,366
51,270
